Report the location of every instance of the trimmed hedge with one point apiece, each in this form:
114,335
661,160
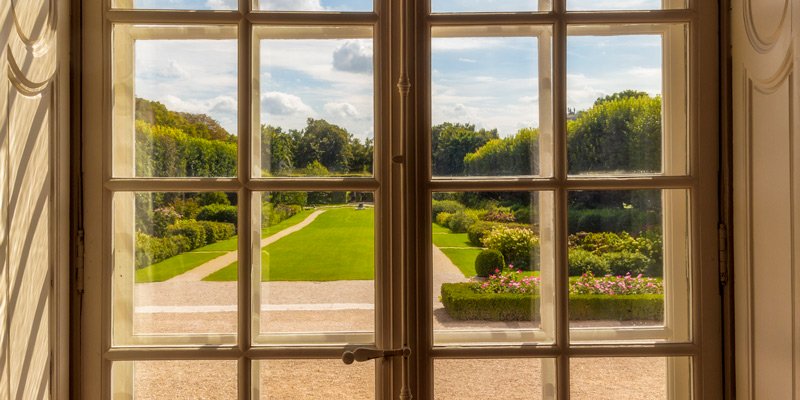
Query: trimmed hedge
150,250
218,213
463,302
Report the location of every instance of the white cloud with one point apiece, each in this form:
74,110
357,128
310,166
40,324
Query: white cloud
467,60
291,5
222,4
278,103
353,56
342,110
169,70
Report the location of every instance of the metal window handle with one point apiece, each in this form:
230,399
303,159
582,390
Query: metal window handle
362,354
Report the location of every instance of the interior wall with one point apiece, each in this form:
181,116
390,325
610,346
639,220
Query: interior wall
765,158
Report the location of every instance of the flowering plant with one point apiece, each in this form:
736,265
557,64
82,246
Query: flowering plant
511,281
616,285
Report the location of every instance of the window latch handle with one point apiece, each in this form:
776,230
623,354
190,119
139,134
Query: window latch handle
362,354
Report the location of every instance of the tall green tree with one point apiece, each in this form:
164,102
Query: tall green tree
324,142
450,143
277,150
517,154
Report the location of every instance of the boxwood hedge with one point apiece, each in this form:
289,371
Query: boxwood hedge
463,302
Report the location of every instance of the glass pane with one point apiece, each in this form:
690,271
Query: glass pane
601,5
155,380
627,100
315,5
316,379
165,244
629,265
490,114
316,101
175,101
316,267
178,4
512,379
644,378
450,6
492,266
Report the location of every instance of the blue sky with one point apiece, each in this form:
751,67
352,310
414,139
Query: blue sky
490,82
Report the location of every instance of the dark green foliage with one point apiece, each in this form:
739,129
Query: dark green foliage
188,209
463,302
477,231
191,229
615,135
452,142
488,261
318,198
219,213
208,198
277,150
499,214
611,220
450,206
324,142
514,155
621,263
273,214
582,262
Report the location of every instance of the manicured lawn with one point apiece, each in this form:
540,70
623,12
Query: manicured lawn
293,220
181,263
177,265
338,245
464,259
443,237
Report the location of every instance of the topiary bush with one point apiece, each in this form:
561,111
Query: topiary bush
219,213
443,218
448,206
584,262
461,220
621,263
519,246
487,262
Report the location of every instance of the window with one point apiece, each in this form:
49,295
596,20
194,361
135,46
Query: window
271,200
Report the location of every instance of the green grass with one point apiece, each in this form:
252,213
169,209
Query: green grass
181,263
457,248
443,237
291,221
464,259
338,245
177,265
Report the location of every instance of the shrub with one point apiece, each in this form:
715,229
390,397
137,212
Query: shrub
488,261
584,262
510,282
219,213
216,231
463,301
448,206
499,214
616,285
162,218
188,209
522,214
621,263
209,198
191,229
461,220
519,246
150,250
443,218
611,219
477,231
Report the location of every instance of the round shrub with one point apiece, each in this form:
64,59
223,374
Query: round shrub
448,206
477,231
443,218
584,262
487,262
191,229
461,220
519,246
218,213
621,263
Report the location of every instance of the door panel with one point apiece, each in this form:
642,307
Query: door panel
765,198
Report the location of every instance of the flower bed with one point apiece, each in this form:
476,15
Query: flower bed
510,296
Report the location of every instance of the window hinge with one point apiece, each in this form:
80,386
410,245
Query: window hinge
723,254
79,246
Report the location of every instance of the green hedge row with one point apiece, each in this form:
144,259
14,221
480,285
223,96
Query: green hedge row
463,302
183,236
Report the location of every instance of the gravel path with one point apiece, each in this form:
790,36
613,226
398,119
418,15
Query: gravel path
204,270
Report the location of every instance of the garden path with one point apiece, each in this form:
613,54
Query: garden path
198,273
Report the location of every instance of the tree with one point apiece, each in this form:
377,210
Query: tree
621,132
194,125
277,150
450,143
514,155
324,142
